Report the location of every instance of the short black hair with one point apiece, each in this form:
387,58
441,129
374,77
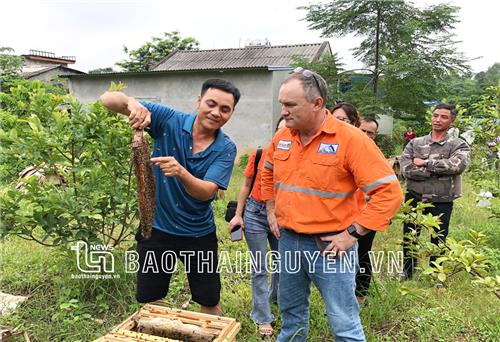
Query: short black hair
224,85
448,106
370,119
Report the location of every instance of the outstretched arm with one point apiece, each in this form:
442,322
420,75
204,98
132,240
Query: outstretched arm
197,188
139,117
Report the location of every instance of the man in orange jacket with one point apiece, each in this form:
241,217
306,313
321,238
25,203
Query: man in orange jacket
310,174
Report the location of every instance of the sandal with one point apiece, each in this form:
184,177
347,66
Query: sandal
265,330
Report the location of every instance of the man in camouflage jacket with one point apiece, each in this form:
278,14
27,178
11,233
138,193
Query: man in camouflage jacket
432,166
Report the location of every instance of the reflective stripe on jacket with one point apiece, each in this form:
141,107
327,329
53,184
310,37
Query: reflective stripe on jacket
314,185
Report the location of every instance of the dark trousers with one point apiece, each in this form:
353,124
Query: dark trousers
364,275
410,262
158,260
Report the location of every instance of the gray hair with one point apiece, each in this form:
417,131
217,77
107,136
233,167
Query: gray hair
313,84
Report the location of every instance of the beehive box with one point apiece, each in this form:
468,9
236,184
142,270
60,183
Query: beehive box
223,328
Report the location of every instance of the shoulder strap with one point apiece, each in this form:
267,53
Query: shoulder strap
256,164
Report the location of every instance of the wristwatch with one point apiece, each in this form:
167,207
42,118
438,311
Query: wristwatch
352,231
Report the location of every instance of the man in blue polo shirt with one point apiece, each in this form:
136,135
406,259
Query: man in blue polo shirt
192,158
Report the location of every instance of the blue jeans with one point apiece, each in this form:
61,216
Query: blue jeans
334,279
257,234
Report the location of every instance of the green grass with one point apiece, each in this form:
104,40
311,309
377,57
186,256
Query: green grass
63,309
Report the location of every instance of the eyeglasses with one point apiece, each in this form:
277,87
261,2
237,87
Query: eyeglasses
309,73
341,118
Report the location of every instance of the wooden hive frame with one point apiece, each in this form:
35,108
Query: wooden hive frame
225,328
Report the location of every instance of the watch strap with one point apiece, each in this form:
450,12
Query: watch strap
352,231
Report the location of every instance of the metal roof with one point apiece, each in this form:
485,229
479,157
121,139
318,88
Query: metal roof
33,70
29,71
242,58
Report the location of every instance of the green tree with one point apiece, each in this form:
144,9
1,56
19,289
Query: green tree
101,70
10,66
490,77
155,50
468,91
408,50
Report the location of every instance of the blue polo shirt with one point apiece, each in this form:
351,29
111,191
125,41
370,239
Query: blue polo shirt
178,213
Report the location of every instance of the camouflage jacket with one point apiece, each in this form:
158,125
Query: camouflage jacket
439,180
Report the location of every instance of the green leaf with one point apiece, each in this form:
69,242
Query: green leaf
35,123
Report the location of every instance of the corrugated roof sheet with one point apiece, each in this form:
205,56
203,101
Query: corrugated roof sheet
242,58
33,70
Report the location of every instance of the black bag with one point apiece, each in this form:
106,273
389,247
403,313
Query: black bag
231,205
230,210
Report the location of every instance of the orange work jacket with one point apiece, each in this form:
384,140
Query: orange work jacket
313,186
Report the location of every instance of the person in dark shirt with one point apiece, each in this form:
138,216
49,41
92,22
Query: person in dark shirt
432,165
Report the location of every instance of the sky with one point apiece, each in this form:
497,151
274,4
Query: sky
95,31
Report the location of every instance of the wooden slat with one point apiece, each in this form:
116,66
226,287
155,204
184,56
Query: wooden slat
191,314
209,329
126,323
145,337
180,314
203,324
229,333
113,338
226,328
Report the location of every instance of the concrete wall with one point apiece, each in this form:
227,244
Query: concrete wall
385,124
278,78
252,123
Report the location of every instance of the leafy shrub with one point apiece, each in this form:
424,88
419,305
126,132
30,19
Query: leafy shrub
89,147
387,145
